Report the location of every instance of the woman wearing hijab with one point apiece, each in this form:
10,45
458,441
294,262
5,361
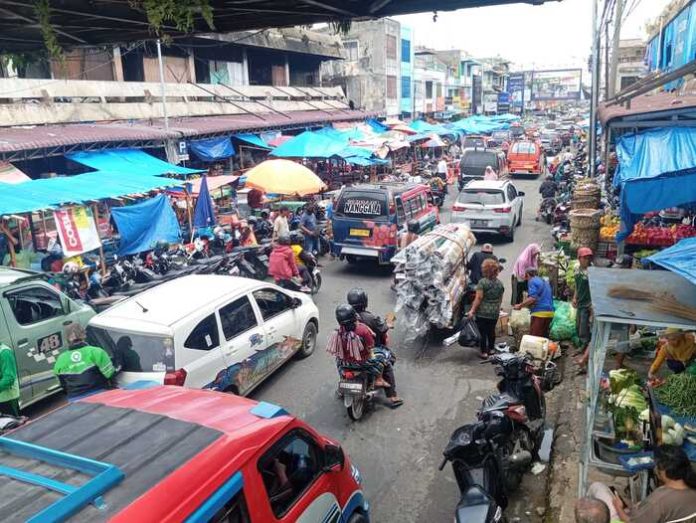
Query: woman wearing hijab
490,175
528,258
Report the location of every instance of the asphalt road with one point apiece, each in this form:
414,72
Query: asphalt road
398,451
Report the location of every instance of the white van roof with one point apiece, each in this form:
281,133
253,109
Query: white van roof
166,304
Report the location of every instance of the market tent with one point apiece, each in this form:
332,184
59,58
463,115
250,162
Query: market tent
14,202
279,140
11,175
143,224
679,259
309,145
376,126
434,141
214,182
651,180
128,161
212,149
252,139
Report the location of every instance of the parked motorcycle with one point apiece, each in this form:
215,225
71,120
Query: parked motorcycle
357,388
547,209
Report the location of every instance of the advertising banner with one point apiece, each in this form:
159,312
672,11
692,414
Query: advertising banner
503,103
563,84
490,103
476,93
516,90
76,230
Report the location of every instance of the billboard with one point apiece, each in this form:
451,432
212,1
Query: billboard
562,84
516,90
503,103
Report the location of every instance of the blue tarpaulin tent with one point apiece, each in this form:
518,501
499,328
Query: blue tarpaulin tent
376,126
651,179
309,145
129,161
143,224
212,149
253,139
204,214
680,259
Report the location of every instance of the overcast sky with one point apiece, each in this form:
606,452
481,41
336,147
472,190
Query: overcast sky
553,35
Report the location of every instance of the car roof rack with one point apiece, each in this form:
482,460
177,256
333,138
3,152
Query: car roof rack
104,477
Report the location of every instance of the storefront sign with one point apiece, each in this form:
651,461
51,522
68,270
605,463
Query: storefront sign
76,230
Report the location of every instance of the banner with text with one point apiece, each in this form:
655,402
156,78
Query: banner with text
563,84
516,90
77,230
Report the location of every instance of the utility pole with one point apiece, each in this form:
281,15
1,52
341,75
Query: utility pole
613,68
164,93
594,95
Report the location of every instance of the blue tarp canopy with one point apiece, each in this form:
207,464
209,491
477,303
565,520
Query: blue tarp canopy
376,126
657,170
424,127
484,124
309,145
143,224
212,149
128,161
680,259
253,139
53,192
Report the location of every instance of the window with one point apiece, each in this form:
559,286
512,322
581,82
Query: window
481,197
428,89
524,148
272,302
204,336
405,50
391,87
288,470
352,50
414,205
512,193
134,352
391,47
405,87
237,317
234,511
35,304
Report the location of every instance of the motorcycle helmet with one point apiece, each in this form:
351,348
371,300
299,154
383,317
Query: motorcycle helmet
219,232
549,177
252,221
412,226
284,239
346,315
71,268
357,298
296,238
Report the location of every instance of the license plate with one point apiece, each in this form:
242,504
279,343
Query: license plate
360,232
350,385
479,223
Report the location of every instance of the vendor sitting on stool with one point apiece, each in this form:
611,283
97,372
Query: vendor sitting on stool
678,349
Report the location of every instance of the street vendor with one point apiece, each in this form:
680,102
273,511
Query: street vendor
582,301
677,348
540,302
9,385
529,257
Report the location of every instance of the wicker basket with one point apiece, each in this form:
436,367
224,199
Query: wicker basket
585,219
587,195
584,237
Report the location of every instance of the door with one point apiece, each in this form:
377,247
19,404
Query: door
200,354
244,341
515,200
281,326
36,319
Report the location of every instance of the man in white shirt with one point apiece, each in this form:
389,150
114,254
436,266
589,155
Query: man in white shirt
280,224
442,169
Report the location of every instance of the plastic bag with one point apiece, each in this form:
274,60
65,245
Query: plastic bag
469,336
520,320
563,324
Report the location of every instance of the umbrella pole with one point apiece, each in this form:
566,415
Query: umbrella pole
188,212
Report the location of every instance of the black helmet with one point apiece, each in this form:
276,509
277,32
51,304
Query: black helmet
412,226
346,315
296,238
357,297
284,239
252,220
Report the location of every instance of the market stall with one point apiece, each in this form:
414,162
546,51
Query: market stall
613,309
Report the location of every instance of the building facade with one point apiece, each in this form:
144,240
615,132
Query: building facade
407,71
429,84
631,63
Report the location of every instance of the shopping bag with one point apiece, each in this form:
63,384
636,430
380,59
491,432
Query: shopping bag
469,336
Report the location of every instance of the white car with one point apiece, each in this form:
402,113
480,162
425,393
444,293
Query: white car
489,206
207,332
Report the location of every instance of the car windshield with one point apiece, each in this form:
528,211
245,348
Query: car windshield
474,142
500,135
481,197
479,160
524,148
134,352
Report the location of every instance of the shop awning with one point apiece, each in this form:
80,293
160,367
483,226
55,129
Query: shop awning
679,259
212,149
252,139
652,180
9,174
309,145
128,161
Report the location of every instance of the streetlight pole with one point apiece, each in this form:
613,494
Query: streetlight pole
162,89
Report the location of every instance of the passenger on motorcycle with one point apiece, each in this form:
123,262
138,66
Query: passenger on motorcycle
357,298
247,238
220,240
282,266
304,260
548,188
353,346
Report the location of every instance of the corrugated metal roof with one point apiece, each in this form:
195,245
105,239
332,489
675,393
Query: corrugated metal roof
14,139
646,104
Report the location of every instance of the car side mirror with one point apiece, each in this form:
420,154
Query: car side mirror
520,193
296,302
502,260
334,459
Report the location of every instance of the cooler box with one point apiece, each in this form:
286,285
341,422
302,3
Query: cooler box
536,346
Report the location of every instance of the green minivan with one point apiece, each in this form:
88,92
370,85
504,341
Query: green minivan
33,319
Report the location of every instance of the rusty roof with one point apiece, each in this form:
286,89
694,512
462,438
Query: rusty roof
647,104
13,139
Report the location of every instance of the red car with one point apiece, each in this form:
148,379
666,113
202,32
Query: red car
526,157
169,454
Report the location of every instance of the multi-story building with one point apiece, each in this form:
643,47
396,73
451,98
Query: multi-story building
429,84
370,73
672,40
407,71
631,63
494,73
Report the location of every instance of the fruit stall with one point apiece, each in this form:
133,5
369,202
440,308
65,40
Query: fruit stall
625,416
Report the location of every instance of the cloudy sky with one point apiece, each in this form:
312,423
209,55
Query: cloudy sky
553,35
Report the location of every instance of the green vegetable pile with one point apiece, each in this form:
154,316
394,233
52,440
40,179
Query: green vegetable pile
679,394
622,379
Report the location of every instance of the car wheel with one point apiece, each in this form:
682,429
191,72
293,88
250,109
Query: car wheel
510,237
357,518
309,340
519,218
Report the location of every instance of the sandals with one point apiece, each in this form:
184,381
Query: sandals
395,404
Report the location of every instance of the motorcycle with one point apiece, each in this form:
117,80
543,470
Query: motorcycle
547,208
357,388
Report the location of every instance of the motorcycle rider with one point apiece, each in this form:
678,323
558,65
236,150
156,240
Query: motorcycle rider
548,188
220,240
304,260
358,299
282,266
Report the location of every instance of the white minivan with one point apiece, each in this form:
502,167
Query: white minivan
205,331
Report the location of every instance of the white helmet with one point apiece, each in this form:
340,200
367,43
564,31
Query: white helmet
71,268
